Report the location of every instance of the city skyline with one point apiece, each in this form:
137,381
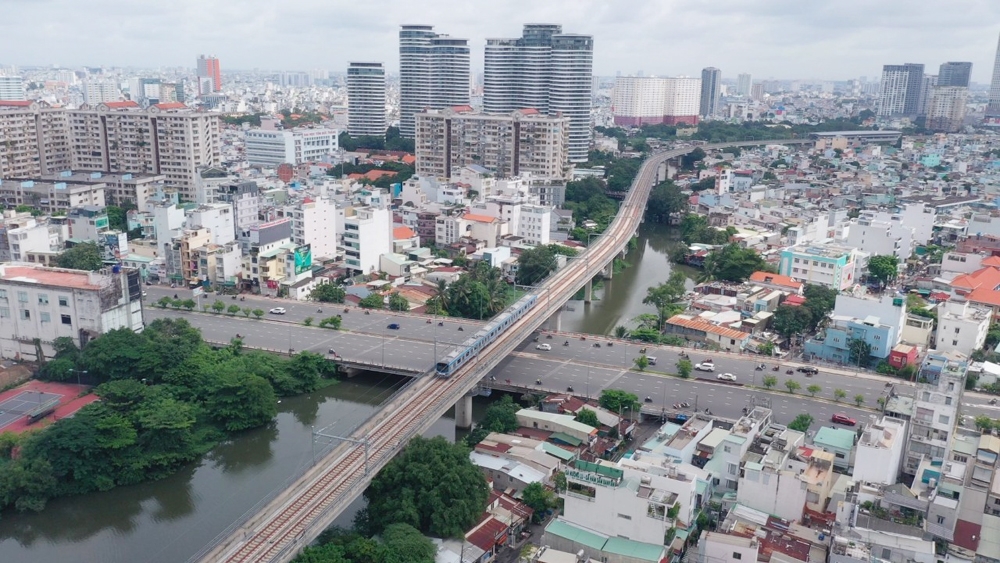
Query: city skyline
783,39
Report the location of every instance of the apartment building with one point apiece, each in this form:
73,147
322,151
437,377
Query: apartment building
878,322
314,222
519,142
244,197
297,146
941,382
52,197
880,452
217,218
823,263
962,327
640,100
39,139
48,303
367,236
433,73
181,256
946,111
11,88
119,189
366,99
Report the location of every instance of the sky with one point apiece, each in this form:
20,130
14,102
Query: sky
833,40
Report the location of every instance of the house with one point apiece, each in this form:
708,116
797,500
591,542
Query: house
559,424
778,282
694,328
902,355
839,442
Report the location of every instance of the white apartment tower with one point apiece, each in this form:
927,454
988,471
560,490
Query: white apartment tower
44,145
545,70
367,236
744,82
11,88
947,108
100,91
900,90
433,73
314,222
366,100
640,100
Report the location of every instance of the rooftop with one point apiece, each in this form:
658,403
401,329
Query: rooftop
54,277
839,438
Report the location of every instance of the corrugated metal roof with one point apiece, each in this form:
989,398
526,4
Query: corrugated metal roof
559,527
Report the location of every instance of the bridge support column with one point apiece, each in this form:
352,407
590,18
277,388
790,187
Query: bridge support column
609,270
588,291
557,318
463,412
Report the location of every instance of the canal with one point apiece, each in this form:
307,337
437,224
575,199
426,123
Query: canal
619,301
168,521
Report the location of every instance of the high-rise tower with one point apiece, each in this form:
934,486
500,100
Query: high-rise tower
744,82
710,83
433,73
954,74
547,70
993,109
208,67
366,100
901,89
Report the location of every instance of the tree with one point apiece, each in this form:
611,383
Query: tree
859,399
766,348
665,201
308,321
406,543
258,313
247,311
164,302
792,385
534,264
188,304
791,320
769,381
616,399
372,301
539,499
119,354
984,423
839,394
588,417
801,423
331,322
666,296
621,332
883,269
328,293
820,300
559,480
218,306
813,389
684,368
239,401
83,256
689,160
431,485
398,303
860,351
642,362
233,309
733,263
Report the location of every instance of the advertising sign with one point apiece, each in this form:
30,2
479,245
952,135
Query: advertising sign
303,259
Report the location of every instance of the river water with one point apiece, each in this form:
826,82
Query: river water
168,521
620,300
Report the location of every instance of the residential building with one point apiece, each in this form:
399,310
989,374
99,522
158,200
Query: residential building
744,83
878,322
823,263
86,222
506,474
993,106
11,88
521,142
366,100
940,384
314,222
52,197
640,100
433,73
561,536
260,243
42,139
900,90
100,92
880,452
208,67
954,74
534,225
777,483
839,442
367,236
777,282
946,111
22,242
872,234
220,265
296,146
727,548
39,303
244,197
962,327
181,255
696,328
711,79
546,70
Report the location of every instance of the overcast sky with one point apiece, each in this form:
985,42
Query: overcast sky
768,38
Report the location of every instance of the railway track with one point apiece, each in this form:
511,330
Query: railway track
289,523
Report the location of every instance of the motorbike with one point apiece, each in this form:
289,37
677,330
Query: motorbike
760,367
428,321
536,339
648,400
642,350
332,352
708,411
440,324
597,344
790,372
566,343
234,298
175,296
347,310
238,335
548,337
368,312
682,354
569,389
538,382
319,310
610,344
583,338
460,329
775,368
993,401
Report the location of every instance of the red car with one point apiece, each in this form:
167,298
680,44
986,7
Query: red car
843,419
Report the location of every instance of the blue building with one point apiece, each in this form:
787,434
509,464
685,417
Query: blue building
876,322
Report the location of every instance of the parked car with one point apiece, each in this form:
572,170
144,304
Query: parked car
841,418
277,311
545,347
809,370
652,360
393,326
705,366
726,377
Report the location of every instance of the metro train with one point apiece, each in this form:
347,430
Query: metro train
481,339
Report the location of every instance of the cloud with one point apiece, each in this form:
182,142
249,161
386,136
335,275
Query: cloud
769,38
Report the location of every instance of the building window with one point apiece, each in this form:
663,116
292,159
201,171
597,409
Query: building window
63,301
940,519
25,315
625,516
45,317
22,296
737,555
956,330
4,312
954,342
66,320
943,419
3,294
43,299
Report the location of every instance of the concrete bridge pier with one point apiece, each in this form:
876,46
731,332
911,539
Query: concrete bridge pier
609,270
588,291
463,412
557,320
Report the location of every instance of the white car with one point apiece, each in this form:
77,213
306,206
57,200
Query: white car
705,366
545,347
277,311
726,377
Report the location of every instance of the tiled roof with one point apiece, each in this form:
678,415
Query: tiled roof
705,326
16,103
121,105
171,105
776,279
479,218
402,233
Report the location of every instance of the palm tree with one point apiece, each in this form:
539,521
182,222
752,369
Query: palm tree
621,331
709,268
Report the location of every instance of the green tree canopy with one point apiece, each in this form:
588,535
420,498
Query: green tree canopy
665,201
431,485
83,256
790,320
398,303
328,293
588,417
616,399
801,423
695,230
536,263
372,301
667,296
883,269
539,499
733,263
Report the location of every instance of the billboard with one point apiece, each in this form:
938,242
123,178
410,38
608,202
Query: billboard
303,259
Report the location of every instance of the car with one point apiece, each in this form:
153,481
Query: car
277,311
807,370
652,360
841,418
545,347
705,366
726,377
393,326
